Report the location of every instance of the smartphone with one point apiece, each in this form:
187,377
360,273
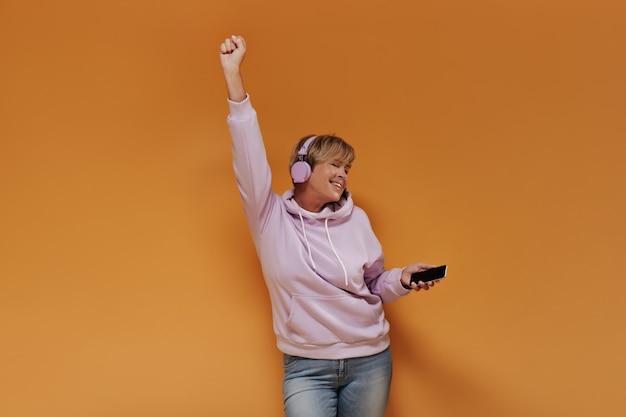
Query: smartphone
432,274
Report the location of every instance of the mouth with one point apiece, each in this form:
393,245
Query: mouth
337,185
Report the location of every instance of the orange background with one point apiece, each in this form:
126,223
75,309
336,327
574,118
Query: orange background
490,135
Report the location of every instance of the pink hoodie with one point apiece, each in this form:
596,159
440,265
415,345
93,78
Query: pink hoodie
324,271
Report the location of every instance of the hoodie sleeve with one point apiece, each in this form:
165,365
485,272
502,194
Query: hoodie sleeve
386,284
382,282
252,171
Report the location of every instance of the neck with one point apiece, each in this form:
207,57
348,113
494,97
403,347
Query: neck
307,204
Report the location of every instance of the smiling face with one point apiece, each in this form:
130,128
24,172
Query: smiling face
327,183
331,159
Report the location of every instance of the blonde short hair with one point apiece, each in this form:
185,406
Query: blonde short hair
324,148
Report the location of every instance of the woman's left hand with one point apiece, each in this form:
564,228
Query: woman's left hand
410,270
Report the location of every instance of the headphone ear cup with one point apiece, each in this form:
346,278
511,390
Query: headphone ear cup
300,171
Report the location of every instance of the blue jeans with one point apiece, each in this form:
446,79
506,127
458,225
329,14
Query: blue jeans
354,387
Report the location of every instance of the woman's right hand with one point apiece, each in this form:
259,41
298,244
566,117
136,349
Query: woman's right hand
232,53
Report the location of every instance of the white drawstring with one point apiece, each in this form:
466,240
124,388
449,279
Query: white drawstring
345,273
308,247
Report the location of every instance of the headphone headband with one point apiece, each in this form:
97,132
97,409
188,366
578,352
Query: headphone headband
305,147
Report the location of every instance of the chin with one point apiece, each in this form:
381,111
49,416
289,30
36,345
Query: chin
342,195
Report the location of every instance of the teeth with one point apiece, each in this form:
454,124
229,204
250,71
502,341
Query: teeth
336,184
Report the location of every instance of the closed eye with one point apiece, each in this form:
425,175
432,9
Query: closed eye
337,164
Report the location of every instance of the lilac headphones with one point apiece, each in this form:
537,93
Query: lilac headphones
301,170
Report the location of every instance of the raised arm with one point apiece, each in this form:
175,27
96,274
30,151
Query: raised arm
254,177
232,53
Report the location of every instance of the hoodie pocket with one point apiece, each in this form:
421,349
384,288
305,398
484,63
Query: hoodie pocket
329,320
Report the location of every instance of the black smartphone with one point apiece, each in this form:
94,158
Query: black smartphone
432,274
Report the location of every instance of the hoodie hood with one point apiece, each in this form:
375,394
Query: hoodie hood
332,211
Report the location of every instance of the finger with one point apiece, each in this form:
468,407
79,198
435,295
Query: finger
423,267
230,46
239,41
239,45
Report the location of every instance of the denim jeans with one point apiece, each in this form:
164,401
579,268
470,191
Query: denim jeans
354,387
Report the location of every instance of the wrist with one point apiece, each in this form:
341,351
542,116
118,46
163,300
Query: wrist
232,71
405,286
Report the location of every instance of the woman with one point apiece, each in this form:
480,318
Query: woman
322,264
